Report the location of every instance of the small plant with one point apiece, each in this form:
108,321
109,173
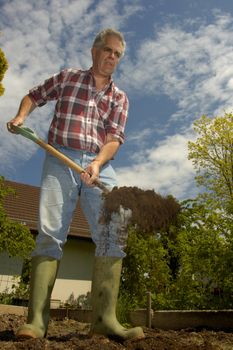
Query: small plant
83,301
6,297
19,293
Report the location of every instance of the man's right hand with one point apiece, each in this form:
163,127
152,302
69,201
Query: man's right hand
25,108
18,121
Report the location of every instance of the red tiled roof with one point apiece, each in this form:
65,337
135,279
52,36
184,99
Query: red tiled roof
23,207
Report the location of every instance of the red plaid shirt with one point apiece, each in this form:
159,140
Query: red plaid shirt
83,116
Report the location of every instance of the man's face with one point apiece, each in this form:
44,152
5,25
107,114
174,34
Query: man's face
106,58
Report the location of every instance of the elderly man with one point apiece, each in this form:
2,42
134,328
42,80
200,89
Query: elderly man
88,126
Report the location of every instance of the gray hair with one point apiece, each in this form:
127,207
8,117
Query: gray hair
101,36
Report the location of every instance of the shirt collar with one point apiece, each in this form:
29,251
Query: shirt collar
109,84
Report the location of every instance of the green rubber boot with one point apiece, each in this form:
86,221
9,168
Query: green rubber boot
105,288
43,276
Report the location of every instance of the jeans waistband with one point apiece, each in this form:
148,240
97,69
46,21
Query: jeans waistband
77,152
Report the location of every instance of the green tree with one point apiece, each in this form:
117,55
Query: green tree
212,156
205,248
15,238
3,68
145,268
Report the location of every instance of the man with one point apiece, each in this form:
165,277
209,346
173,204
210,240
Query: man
88,126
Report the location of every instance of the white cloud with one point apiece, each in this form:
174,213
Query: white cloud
164,168
193,68
139,137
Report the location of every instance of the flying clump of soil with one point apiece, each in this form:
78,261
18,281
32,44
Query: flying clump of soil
150,210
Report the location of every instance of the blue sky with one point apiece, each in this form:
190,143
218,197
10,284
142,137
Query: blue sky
178,66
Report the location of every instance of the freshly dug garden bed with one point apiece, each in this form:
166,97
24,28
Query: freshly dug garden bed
72,335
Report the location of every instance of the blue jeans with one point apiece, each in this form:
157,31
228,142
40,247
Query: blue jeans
61,188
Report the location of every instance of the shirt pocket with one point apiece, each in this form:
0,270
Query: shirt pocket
105,107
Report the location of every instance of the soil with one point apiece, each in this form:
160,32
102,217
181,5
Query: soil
150,210
73,335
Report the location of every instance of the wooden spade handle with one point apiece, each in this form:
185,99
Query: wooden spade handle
69,162
30,134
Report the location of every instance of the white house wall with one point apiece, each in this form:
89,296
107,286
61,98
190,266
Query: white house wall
9,269
74,275
75,271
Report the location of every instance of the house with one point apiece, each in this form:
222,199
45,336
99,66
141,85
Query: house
75,271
